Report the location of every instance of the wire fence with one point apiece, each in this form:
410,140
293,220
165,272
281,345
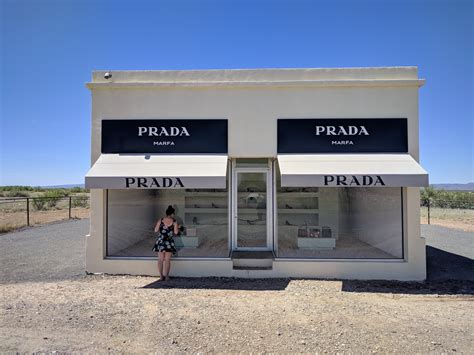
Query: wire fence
17,212
447,209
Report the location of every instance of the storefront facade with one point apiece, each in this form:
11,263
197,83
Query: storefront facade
272,172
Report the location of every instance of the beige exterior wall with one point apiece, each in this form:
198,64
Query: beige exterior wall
252,101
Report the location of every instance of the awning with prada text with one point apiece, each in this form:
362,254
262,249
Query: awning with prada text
148,171
351,170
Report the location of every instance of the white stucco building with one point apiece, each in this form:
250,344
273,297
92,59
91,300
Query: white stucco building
272,172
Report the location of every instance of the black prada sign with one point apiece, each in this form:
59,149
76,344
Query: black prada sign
342,135
153,182
353,180
164,136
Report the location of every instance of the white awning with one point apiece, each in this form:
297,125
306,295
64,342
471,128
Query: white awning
351,170
140,171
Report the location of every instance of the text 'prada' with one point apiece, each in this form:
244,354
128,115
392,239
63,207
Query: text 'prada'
341,131
163,131
150,183
351,180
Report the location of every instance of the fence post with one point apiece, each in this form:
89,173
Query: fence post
27,211
70,198
429,204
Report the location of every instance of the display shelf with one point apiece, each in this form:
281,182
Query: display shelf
191,225
297,210
317,243
207,194
297,194
186,242
195,210
204,209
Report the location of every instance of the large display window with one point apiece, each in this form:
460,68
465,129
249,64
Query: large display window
203,214
339,223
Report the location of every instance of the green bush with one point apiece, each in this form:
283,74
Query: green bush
38,203
15,193
16,188
77,190
80,202
446,199
53,196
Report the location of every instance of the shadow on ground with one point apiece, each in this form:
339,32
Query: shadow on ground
447,274
443,265
222,283
446,287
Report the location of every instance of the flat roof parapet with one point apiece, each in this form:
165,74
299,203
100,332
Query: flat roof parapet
382,76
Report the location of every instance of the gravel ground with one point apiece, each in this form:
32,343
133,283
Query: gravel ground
49,252
454,241
53,306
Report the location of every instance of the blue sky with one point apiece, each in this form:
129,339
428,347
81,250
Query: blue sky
49,48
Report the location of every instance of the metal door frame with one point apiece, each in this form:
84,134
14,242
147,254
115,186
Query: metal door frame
269,206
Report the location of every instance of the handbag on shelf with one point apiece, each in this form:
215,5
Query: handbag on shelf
326,232
308,232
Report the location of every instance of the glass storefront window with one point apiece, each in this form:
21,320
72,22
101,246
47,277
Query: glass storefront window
132,215
339,223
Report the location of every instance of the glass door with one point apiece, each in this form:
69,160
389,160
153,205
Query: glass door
252,209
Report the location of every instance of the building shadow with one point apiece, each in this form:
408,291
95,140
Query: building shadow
447,274
442,265
221,283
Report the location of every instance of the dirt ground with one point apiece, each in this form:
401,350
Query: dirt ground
462,219
466,226
48,304
17,219
134,314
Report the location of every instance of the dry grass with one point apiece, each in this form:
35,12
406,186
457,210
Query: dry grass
11,220
8,227
449,217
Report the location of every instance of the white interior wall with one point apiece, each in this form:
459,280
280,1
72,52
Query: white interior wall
375,217
329,209
131,218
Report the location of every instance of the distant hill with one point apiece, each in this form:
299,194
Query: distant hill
455,187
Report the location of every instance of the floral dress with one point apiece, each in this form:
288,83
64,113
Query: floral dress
165,241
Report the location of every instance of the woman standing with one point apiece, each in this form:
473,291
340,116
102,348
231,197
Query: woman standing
167,227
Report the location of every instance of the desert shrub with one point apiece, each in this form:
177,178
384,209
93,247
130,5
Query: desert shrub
77,190
53,196
15,193
17,188
80,202
38,203
446,199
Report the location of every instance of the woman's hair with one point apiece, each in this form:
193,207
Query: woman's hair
169,210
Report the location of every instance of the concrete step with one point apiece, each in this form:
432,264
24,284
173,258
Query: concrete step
265,263
252,260
238,254
252,268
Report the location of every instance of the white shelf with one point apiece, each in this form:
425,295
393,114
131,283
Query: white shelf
205,210
317,243
207,194
297,210
297,194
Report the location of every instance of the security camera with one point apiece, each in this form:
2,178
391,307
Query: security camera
107,75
